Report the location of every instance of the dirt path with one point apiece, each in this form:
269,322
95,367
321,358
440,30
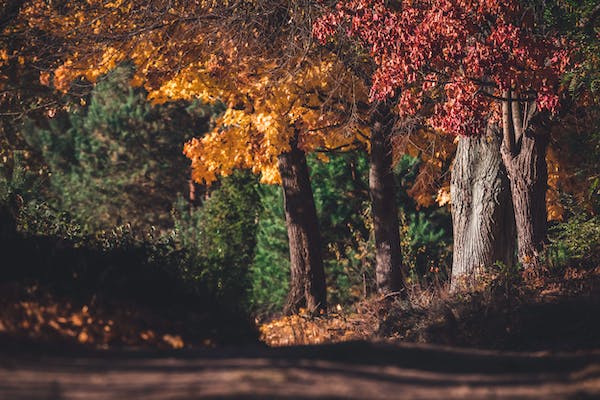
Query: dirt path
345,371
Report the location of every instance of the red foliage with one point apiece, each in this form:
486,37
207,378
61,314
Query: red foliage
461,53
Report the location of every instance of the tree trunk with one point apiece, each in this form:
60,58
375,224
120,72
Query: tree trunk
524,154
383,205
482,214
307,281
528,174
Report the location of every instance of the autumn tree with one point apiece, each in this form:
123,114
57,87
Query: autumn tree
389,271
21,95
271,137
342,117
283,97
469,64
479,185
382,121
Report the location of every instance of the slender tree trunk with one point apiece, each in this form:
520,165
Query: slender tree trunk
482,213
383,204
307,281
528,174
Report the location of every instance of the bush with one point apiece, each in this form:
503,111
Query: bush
205,257
575,242
270,269
426,248
218,240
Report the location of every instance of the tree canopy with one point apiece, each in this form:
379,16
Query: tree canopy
460,55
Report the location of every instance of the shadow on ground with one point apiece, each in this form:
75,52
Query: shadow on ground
352,370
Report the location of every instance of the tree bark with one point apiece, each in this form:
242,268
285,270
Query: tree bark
528,174
482,212
523,150
307,281
384,211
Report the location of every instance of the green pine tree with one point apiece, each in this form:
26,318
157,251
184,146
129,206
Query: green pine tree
119,159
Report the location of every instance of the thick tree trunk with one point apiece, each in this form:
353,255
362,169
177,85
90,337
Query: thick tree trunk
383,205
307,282
528,174
482,213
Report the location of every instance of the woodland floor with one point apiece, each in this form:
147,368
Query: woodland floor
351,370
539,344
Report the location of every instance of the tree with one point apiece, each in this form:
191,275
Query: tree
219,240
461,62
482,214
383,205
205,50
573,151
276,87
271,135
117,159
303,233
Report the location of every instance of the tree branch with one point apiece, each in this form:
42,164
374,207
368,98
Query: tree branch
353,144
508,137
517,120
504,98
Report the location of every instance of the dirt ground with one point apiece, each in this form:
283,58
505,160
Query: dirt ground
352,370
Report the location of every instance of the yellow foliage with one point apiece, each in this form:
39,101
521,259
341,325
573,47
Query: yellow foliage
443,196
554,207
262,118
174,341
183,52
312,98
42,316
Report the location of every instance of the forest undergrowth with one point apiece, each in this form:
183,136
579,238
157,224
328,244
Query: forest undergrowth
557,311
107,243
553,312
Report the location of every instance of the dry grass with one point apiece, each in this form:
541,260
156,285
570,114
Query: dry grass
303,329
559,311
504,312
